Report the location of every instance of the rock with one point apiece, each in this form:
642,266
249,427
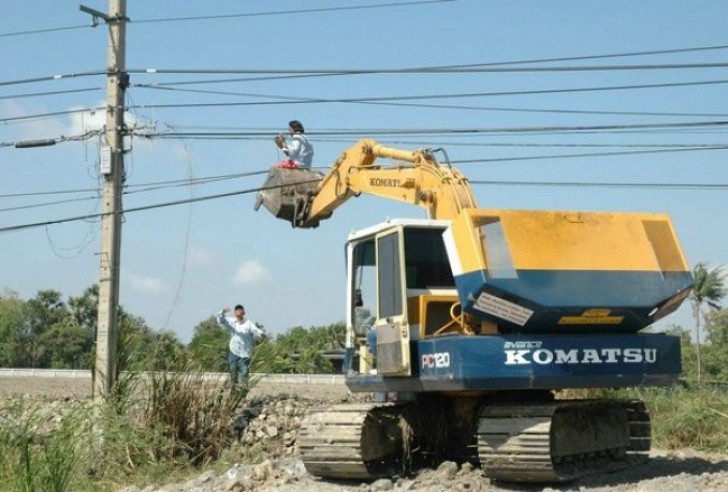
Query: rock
447,470
381,485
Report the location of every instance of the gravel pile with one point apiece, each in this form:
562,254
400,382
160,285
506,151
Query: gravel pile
272,425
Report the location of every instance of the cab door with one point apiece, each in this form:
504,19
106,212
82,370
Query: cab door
393,335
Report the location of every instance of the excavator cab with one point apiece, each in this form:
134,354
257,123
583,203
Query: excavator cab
401,288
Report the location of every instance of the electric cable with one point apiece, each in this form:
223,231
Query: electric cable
49,93
286,12
586,154
454,131
672,186
444,106
443,69
43,31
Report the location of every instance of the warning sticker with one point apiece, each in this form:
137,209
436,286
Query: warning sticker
501,308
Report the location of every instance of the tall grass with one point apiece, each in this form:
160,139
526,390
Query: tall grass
693,417
688,418
149,430
40,453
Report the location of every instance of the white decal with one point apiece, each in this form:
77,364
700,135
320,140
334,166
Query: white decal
501,308
436,360
526,353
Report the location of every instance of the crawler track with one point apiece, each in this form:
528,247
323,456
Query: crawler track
561,441
352,441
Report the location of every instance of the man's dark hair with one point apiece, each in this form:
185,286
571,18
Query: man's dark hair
239,306
296,125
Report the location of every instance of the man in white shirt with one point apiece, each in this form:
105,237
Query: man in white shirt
243,334
299,150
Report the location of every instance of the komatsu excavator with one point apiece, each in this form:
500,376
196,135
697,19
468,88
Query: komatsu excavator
469,325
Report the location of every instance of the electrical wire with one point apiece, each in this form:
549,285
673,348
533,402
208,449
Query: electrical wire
286,12
51,141
382,99
676,186
143,187
586,154
47,78
444,106
503,63
457,69
661,186
43,31
452,131
40,116
50,93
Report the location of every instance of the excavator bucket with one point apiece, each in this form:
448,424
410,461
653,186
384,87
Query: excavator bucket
287,192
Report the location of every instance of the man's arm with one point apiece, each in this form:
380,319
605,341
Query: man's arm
222,319
293,150
253,329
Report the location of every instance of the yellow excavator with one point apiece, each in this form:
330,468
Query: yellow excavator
468,327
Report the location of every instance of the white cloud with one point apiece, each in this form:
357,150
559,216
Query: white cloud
250,272
86,121
145,285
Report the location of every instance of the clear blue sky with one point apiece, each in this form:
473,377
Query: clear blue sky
181,264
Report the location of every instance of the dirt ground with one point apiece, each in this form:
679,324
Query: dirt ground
48,388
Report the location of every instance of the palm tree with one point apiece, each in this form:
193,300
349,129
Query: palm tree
708,289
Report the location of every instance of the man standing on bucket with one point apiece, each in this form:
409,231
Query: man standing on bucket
243,334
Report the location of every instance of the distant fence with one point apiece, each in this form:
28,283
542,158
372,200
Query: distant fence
268,378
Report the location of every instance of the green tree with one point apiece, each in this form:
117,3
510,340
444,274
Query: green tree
209,346
137,343
66,346
715,360
84,309
42,312
12,318
708,291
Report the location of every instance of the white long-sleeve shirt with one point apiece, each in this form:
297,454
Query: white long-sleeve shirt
300,150
242,334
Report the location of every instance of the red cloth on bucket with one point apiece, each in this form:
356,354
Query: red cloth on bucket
287,164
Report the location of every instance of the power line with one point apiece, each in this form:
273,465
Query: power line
47,78
149,186
134,209
386,100
450,131
586,154
445,106
46,30
39,116
48,204
680,186
486,67
667,186
51,141
376,100
502,63
443,69
286,12
51,93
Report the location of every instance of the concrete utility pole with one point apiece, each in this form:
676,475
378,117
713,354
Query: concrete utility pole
112,170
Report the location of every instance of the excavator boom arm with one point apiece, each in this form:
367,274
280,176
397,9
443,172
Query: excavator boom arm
416,178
